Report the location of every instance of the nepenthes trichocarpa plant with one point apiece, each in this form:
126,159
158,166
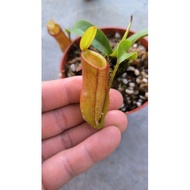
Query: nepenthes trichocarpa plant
97,80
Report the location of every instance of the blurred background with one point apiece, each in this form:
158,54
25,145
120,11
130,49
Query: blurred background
127,167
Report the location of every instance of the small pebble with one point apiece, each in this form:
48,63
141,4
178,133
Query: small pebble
138,104
124,75
132,84
69,75
138,81
143,86
141,48
142,97
125,81
122,105
135,45
137,72
144,80
131,88
134,102
117,35
120,88
146,94
123,109
72,67
130,68
128,91
144,74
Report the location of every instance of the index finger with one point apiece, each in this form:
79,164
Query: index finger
61,92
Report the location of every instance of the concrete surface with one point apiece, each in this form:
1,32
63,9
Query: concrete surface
127,167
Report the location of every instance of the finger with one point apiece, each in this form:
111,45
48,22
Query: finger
58,93
62,167
116,99
74,136
59,120
56,121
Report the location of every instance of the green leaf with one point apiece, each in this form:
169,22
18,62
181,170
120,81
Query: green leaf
100,41
88,37
126,43
133,38
80,27
123,55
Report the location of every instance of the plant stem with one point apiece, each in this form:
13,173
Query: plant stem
113,74
128,28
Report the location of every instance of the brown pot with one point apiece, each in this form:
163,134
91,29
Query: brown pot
106,30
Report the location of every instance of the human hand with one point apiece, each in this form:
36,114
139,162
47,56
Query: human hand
69,145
